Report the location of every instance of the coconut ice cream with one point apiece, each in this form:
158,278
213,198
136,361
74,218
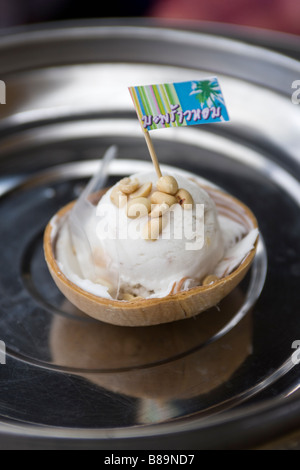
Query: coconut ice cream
159,238
150,237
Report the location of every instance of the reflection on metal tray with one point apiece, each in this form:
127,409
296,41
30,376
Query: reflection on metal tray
186,384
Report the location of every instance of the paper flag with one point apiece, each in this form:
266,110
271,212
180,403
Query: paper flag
179,104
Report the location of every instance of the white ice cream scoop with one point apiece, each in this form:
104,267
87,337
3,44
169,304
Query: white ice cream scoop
189,247
163,271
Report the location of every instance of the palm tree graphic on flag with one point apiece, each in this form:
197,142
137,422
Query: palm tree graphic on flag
206,91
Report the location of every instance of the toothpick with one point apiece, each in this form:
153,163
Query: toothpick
152,153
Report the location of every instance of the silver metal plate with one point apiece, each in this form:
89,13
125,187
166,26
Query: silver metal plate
68,377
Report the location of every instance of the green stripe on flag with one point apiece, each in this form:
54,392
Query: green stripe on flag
166,102
172,95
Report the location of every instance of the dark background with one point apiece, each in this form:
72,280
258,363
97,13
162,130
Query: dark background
276,15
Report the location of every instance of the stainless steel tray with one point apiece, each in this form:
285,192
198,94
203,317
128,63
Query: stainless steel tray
223,379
